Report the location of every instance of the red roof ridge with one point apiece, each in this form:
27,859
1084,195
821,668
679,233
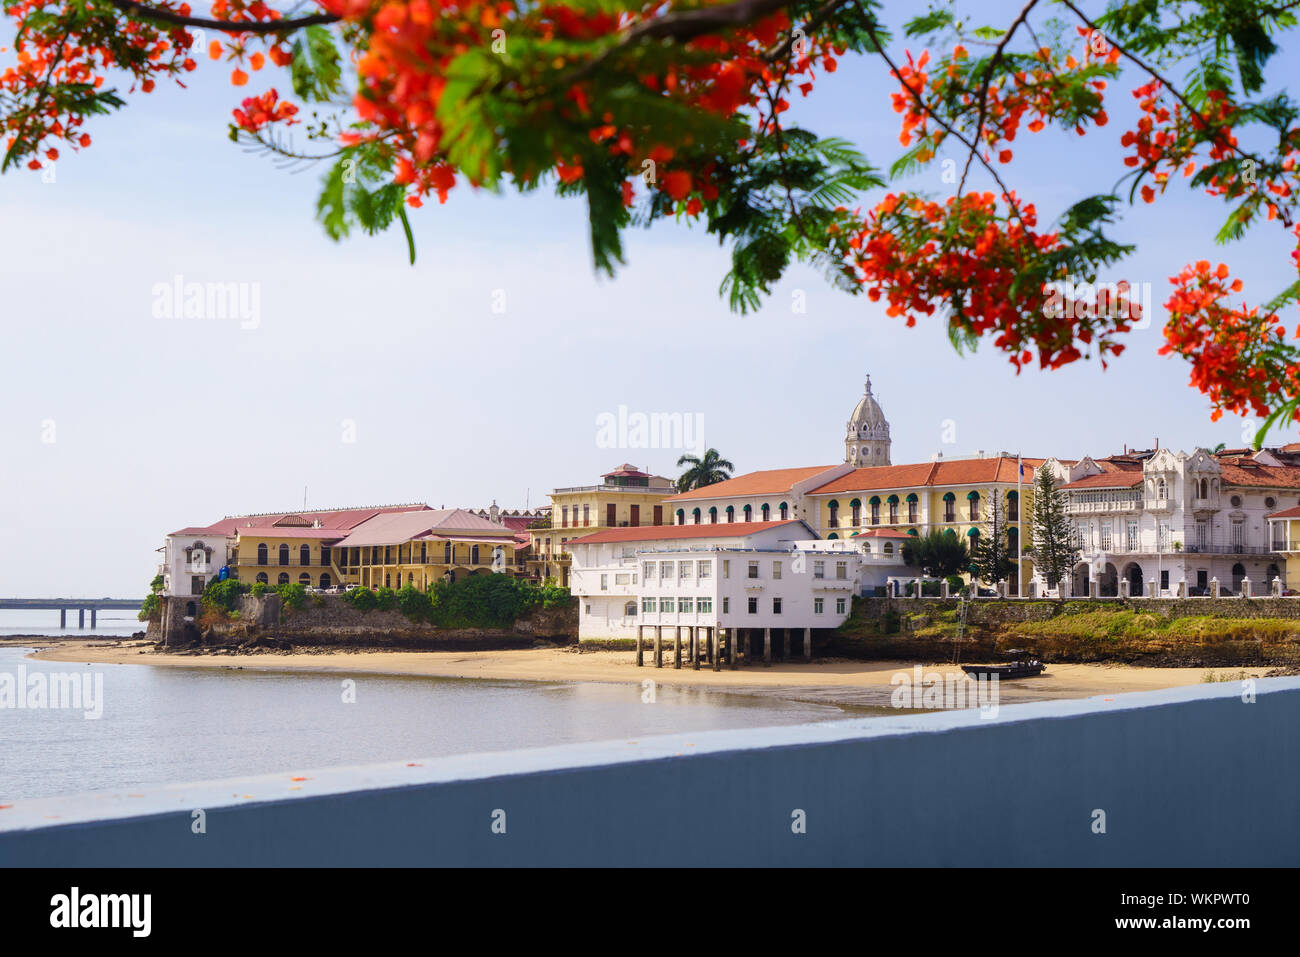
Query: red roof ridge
660,532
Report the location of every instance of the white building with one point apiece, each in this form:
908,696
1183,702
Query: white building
742,578
1163,517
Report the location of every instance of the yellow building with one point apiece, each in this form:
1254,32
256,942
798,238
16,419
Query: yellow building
626,498
297,547
914,499
420,548
1284,535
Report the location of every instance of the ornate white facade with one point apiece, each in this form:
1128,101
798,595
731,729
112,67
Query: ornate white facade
1168,517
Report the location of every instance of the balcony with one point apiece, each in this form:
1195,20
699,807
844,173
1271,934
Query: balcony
1227,549
1093,508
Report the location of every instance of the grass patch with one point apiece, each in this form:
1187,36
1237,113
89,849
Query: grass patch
1129,625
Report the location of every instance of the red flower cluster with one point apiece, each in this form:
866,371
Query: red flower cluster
1168,138
1037,92
403,76
60,45
257,111
968,255
1241,359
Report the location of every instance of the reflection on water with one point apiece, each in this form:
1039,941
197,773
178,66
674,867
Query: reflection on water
168,725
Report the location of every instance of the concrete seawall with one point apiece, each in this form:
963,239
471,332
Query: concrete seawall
1185,777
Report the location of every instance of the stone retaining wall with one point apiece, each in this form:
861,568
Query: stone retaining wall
328,620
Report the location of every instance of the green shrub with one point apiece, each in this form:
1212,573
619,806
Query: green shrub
224,595
293,594
259,589
150,608
414,603
479,601
362,599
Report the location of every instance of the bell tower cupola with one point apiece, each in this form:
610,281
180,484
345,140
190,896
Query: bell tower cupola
866,441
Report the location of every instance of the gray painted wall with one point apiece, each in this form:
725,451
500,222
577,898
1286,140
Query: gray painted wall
1191,776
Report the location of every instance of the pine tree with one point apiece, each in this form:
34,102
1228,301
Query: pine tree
1054,551
992,556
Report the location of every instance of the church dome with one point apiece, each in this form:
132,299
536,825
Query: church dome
866,438
867,414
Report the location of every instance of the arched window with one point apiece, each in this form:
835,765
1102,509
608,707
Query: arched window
911,508
261,576
304,579
749,513
681,516
283,578
765,509
1013,507
713,515
784,511
325,581
446,553
855,512
304,555
1205,488
973,533
629,610
262,554
974,499
1162,492
834,508
695,517
889,548
832,535
949,507
284,554
893,509
731,514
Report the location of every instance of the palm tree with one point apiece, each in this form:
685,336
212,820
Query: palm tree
1219,448
702,471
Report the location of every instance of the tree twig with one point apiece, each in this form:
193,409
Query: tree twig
143,11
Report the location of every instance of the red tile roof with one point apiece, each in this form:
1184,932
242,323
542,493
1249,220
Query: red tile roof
336,518
453,523
627,469
766,482
1287,513
1001,469
881,533
1259,476
659,533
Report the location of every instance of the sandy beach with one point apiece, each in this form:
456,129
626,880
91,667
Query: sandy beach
835,681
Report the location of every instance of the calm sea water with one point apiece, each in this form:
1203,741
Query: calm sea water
171,725
118,622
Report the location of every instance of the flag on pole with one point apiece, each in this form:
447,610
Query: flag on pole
1020,505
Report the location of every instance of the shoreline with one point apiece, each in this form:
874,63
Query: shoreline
846,683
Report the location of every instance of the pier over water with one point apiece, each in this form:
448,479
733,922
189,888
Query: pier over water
64,605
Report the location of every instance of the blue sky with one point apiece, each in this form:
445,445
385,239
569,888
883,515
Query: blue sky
162,423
